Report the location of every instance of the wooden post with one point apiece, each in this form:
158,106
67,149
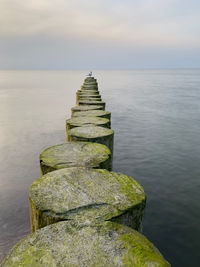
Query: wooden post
94,113
69,244
94,134
75,154
86,195
85,108
91,102
85,121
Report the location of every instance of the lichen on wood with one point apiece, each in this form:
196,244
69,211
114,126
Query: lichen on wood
86,195
85,121
68,244
94,134
92,102
91,113
85,108
75,154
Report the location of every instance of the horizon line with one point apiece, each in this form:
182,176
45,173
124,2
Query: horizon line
100,69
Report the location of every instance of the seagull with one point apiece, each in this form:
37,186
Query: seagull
90,74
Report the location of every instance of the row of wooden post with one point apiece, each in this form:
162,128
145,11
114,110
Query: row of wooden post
78,190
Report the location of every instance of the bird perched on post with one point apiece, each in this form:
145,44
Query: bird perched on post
90,74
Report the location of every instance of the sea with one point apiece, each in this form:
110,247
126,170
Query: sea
156,120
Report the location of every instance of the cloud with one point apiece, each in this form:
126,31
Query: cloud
104,33
145,22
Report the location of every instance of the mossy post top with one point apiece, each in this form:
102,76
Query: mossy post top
86,107
89,87
89,99
94,97
88,79
85,195
90,83
67,244
96,113
75,154
87,92
82,121
92,102
90,132
89,95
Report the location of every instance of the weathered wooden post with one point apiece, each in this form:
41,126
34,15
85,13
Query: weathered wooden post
86,195
75,154
85,108
94,113
85,94
91,86
85,121
101,244
93,97
89,92
94,134
87,98
91,102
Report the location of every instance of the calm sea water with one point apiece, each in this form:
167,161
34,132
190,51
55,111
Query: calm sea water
156,118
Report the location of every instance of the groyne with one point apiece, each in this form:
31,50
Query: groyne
83,213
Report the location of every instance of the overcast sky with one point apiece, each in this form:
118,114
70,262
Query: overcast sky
99,34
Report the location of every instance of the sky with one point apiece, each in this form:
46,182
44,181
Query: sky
99,34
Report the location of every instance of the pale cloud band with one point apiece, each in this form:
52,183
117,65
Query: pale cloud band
138,23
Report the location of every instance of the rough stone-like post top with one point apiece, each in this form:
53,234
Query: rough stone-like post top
92,102
93,97
89,87
85,108
91,132
82,95
83,121
86,195
96,113
90,82
102,245
88,79
89,99
88,92
74,154
95,134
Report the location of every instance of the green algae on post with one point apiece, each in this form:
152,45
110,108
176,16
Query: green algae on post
85,108
89,79
92,102
88,92
86,195
85,96
85,121
91,82
89,87
90,97
105,244
75,154
94,134
93,113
